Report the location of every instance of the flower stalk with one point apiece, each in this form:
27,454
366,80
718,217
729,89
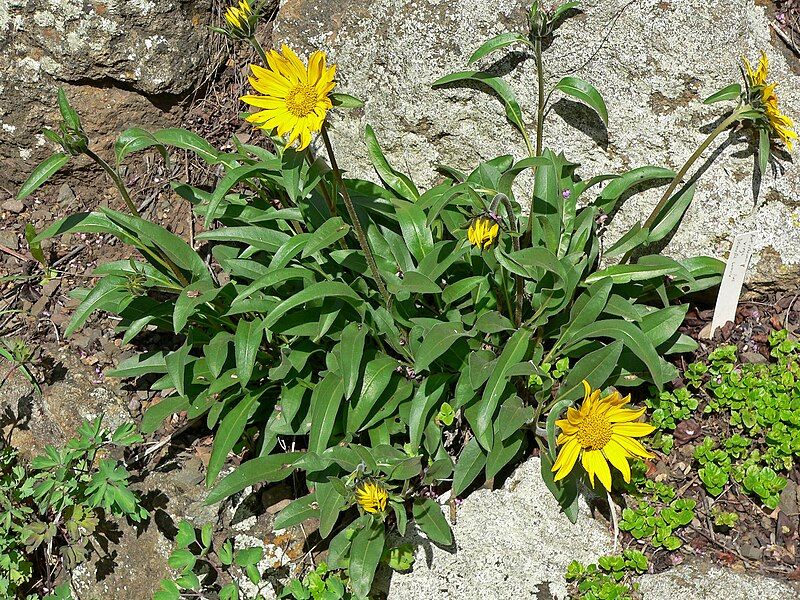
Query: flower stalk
348,202
518,283
732,118
112,172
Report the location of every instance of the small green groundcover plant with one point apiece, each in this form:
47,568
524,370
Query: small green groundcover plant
389,342
611,578
758,407
51,511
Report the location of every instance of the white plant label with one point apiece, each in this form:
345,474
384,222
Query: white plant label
731,287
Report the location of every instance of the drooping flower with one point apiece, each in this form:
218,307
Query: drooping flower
483,232
371,497
764,98
602,431
293,96
242,21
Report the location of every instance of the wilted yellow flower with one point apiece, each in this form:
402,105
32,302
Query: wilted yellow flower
600,432
483,232
780,124
371,497
295,97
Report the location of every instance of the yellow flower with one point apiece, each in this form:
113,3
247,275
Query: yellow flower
241,20
600,432
295,97
483,232
780,124
371,497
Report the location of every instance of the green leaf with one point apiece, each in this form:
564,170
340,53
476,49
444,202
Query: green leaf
469,466
186,140
176,367
331,502
351,351
401,184
500,87
325,403
763,150
595,367
416,232
627,273
460,288
133,140
264,469
42,173
429,518
110,294
377,376
154,415
231,178
620,185
671,214
586,93
323,289
588,306
497,42
436,342
297,511
503,452
246,343
631,336
228,433
427,396
366,550
68,113
331,231
731,92
254,235
340,100
513,353
564,491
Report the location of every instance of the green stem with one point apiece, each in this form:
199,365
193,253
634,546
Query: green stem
734,116
351,211
541,104
259,49
323,188
123,191
518,283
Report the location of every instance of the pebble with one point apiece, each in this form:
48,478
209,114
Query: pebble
13,205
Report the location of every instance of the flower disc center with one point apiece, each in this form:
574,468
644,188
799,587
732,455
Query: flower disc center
301,100
594,432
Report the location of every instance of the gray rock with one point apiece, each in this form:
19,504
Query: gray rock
704,582
14,206
515,543
122,64
653,61
512,542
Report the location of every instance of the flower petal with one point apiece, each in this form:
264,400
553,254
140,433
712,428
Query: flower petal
632,429
618,456
565,460
631,445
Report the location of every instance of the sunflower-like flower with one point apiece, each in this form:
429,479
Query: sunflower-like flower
295,97
483,232
764,96
241,20
371,497
602,431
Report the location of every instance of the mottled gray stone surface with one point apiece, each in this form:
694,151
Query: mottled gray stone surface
653,61
515,543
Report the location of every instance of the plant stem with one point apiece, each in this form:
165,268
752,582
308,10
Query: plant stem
123,191
518,283
540,116
351,211
258,48
734,116
541,104
323,187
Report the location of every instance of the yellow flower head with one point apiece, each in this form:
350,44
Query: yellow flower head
483,232
600,432
372,497
781,125
295,96
241,20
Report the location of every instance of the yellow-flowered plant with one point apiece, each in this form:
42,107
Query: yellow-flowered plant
600,432
339,316
371,497
241,21
293,98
